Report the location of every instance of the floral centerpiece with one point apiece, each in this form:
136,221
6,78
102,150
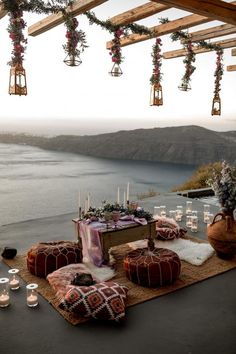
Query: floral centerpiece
99,213
224,185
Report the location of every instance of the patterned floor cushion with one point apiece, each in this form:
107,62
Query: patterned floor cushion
104,301
168,229
152,268
46,257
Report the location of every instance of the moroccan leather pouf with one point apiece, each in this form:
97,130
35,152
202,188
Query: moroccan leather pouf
44,258
152,268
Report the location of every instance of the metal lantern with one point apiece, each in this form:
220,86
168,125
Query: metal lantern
116,70
71,60
216,106
17,82
184,87
156,97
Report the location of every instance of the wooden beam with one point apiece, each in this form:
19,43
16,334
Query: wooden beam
166,28
227,43
233,52
2,11
215,9
138,13
54,20
213,32
231,68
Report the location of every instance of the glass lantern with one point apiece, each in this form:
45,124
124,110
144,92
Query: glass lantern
188,221
194,224
189,207
14,282
32,295
4,292
156,213
163,210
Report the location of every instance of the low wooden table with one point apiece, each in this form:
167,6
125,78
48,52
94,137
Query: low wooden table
129,233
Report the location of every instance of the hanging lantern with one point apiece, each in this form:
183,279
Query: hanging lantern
17,82
116,70
156,97
216,106
184,87
71,60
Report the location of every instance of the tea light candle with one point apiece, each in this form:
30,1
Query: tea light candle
14,282
172,214
178,215
4,294
210,219
32,296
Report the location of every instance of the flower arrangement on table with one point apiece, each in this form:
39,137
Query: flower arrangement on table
99,213
223,184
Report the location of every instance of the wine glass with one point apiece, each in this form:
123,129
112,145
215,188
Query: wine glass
115,217
107,218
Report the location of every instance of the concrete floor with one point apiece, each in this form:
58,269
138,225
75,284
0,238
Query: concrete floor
197,319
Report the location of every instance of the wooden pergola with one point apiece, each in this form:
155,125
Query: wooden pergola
203,12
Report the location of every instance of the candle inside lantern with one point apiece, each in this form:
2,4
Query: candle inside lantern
4,292
32,296
194,225
14,282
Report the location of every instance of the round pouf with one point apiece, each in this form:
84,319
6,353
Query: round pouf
46,257
152,268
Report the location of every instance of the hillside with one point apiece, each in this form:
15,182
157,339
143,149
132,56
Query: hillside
186,144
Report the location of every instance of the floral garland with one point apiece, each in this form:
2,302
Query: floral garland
118,31
99,212
74,37
157,62
115,51
189,59
15,30
36,6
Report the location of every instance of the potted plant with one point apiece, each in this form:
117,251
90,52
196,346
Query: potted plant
222,232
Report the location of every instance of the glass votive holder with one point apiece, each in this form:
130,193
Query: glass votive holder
32,295
210,219
180,209
206,217
157,212
206,208
194,213
172,214
194,226
4,292
178,215
163,210
188,221
14,282
189,206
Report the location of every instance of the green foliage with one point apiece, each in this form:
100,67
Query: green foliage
150,193
200,177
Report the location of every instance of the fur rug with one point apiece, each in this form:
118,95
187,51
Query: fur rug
187,250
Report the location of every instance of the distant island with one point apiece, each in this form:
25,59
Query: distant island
185,144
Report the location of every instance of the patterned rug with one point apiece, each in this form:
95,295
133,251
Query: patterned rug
190,274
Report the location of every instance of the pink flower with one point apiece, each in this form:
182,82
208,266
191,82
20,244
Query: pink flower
119,33
114,59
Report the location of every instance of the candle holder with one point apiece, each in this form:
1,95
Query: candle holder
163,210
180,209
14,282
4,292
189,206
194,224
178,215
206,212
188,221
156,213
172,214
32,295
210,219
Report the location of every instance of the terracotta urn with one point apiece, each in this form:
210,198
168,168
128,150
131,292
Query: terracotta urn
222,234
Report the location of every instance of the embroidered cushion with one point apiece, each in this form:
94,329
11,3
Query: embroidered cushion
103,301
44,258
168,229
152,268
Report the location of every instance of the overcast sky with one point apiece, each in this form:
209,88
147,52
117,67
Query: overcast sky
86,99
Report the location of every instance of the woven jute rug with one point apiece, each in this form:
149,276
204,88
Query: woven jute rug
190,274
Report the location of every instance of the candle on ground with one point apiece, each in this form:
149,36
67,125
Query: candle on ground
14,284
4,300
32,300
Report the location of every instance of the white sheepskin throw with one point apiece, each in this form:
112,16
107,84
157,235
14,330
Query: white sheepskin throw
187,250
